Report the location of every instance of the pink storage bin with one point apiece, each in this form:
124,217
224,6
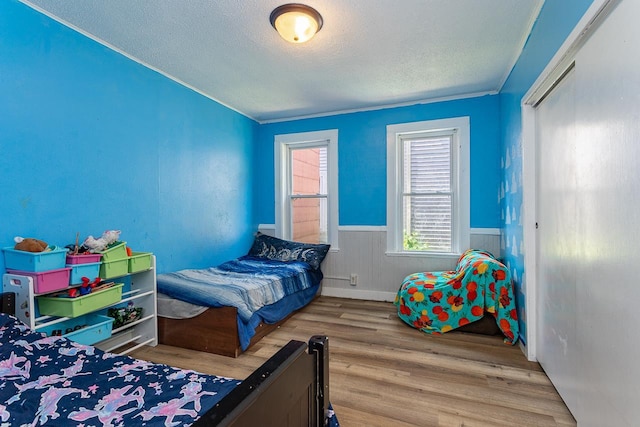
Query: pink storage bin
83,259
47,281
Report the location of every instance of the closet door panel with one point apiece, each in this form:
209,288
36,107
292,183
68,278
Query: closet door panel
588,210
557,238
608,165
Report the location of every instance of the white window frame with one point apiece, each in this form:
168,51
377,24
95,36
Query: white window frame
459,128
283,144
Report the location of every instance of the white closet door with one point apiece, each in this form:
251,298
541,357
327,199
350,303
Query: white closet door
588,202
556,204
608,166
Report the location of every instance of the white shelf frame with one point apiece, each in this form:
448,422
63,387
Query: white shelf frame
142,332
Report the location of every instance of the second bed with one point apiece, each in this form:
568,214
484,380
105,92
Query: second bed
226,309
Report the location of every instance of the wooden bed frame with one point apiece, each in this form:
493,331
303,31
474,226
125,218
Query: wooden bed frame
213,331
289,389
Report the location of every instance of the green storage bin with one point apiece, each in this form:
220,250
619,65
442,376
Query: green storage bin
116,252
139,261
115,268
74,307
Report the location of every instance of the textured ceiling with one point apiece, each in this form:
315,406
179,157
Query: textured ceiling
369,53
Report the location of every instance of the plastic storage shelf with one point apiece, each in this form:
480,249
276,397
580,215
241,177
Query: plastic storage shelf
137,290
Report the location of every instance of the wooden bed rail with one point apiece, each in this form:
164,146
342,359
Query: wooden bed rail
290,389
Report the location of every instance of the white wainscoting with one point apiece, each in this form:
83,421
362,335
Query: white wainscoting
363,253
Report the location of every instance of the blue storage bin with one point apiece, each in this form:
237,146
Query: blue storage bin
78,271
35,261
88,329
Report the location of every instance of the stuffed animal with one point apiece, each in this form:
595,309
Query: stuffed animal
30,244
100,244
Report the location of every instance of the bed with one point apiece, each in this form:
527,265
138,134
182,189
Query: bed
226,309
55,381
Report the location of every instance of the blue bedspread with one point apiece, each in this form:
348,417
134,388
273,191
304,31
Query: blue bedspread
247,283
261,289
54,381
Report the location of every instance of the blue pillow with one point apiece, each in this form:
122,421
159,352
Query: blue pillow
285,250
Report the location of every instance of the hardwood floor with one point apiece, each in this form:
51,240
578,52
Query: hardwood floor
385,373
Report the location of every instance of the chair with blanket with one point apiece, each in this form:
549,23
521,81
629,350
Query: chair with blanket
437,302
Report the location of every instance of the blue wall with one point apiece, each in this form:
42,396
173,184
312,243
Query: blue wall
555,22
362,158
91,140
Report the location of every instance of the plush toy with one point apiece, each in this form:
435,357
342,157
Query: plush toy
100,244
30,244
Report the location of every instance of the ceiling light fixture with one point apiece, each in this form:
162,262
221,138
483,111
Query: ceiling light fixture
295,22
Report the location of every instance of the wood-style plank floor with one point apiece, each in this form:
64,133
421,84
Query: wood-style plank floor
385,373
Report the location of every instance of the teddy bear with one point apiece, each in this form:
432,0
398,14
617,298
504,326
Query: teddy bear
30,244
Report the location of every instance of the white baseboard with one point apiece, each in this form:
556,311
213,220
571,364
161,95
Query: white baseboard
356,294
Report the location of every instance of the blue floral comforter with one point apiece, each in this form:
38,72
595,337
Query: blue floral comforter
54,381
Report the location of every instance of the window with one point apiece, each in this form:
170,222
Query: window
307,187
428,186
